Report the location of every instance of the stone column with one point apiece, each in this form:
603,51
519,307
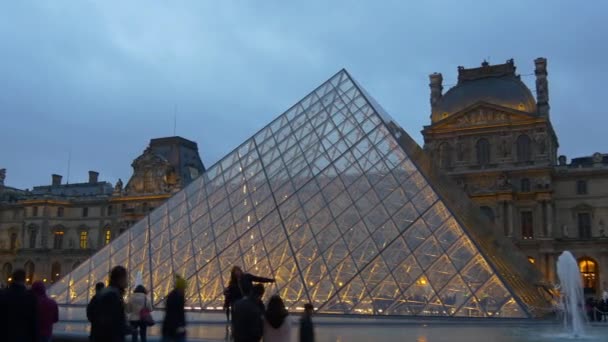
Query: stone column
549,219
510,217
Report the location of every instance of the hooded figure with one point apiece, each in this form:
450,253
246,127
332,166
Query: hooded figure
277,325
48,312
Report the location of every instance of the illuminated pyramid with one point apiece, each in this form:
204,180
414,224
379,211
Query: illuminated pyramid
341,206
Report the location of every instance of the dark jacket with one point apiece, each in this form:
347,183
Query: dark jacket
48,312
108,317
307,331
18,315
92,310
247,321
175,316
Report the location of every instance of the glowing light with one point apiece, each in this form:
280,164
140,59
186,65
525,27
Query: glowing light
44,280
340,283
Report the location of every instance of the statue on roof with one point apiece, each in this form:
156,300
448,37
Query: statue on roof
2,176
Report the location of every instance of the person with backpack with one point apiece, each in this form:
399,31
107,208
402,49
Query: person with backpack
138,312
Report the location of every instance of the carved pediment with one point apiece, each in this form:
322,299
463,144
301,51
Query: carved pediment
482,115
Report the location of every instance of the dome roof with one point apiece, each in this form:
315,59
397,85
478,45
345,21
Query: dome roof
484,84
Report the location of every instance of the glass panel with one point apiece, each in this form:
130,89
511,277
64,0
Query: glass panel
416,234
428,252
441,272
470,309
476,273
448,233
461,252
405,216
454,294
435,216
512,310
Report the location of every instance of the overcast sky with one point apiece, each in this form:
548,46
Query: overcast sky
99,79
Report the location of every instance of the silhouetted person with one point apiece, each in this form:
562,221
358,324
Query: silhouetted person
174,324
109,312
91,307
240,283
137,302
307,330
48,312
247,322
18,312
277,325
257,292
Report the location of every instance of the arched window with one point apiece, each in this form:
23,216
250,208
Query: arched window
33,236
55,271
488,212
524,152
13,241
84,239
445,155
525,185
58,239
107,236
7,271
29,272
588,268
483,152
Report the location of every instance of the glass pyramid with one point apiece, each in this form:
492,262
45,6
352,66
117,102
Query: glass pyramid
335,201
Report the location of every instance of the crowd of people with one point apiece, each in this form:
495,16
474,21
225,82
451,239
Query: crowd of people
253,321
28,315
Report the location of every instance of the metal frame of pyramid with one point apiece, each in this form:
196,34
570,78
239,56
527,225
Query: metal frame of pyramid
342,207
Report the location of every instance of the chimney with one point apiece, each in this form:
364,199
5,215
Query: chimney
2,176
542,86
436,87
56,180
93,175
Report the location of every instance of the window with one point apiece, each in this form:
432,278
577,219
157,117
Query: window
58,239
581,187
483,152
488,212
109,210
84,240
33,236
34,211
55,271
445,155
85,212
527,227
523,148
107,237
60,212
525,185
584,225
588,268
29,272
13,241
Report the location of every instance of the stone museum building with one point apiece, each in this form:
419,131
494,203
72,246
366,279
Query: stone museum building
50,229
495,139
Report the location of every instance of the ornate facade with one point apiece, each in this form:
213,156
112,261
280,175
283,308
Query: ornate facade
495,139
51,229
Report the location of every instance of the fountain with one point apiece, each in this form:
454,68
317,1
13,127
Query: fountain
572,297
